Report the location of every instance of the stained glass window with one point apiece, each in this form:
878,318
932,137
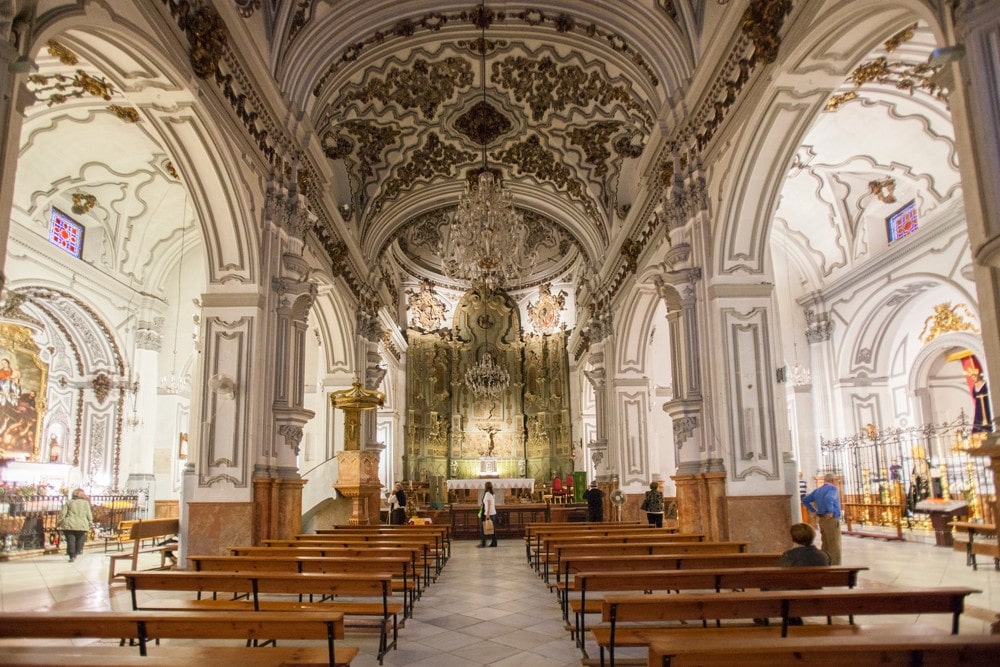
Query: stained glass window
66,233
903,222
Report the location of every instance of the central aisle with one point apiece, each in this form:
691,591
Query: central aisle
486,608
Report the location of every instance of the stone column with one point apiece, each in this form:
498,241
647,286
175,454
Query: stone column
972,53
677,289
599,446
15,97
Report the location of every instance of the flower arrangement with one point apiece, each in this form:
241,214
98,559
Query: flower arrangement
10,490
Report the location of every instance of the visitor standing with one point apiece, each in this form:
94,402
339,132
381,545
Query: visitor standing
75,520
489,512
824,502
652,505
595,503
397,512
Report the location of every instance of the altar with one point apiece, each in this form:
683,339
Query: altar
499,485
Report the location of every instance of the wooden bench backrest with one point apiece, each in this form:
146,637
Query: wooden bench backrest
572,564
764,577
763,604
149,528
355,542
367,584
329,565
944,650
647,548
327,552
174,625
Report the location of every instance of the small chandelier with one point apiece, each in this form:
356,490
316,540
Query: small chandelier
487,380
484,244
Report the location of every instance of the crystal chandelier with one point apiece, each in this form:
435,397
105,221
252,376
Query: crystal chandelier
486,379
484,244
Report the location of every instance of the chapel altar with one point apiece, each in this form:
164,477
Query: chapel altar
523,430
500,485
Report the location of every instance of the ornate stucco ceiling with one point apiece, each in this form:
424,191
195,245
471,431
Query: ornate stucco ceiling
567,108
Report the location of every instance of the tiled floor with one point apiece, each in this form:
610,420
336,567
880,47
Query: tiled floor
488,607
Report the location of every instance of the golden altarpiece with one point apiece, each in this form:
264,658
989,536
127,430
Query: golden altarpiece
449,430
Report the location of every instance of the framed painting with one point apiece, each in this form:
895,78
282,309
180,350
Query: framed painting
23,378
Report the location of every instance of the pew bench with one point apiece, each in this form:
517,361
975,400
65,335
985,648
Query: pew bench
614,548
368,605
622,614
403,581
873,648
700,580
142,627
147,529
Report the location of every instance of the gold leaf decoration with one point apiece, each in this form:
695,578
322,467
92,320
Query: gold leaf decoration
83,202
57,50
125,114
946,319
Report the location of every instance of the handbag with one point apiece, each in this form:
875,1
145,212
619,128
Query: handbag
488,527
645,505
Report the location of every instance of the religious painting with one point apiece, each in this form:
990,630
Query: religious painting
23,378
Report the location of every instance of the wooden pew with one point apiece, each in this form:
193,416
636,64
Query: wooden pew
712,580
148,529
399,566
867,649
614,548
544,540
534,533
144,626
421,558
254,584
361,541
570,565
633,609
443,530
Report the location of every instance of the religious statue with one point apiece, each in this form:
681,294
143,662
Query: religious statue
982,421
491,430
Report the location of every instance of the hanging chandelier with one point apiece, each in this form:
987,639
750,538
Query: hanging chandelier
484,244
486,378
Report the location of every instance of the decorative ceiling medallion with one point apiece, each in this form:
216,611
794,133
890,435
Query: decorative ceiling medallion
884,189
426,309
946,319
57,88
544,314
101,385
904,35
83,202
483,124
425,86
125,114
65,56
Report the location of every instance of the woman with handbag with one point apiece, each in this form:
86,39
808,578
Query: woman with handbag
487,520
652,504
75,520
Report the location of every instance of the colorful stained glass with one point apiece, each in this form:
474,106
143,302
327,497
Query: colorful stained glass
903,222
66,233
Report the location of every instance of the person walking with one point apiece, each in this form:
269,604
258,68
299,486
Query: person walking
824,502
652,504
595,503
397,512
489,511
75,520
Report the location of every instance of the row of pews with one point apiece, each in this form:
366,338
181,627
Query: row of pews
642,595
336,581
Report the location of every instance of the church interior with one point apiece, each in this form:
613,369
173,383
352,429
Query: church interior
264,259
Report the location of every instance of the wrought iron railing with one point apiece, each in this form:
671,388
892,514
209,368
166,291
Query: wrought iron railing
887,472
29,522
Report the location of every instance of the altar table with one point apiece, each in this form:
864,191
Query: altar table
499,484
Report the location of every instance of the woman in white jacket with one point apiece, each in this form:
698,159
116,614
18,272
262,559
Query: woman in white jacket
489,512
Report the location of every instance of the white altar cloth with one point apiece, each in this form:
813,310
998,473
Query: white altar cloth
498,483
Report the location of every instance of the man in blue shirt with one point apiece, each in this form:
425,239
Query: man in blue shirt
824,502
